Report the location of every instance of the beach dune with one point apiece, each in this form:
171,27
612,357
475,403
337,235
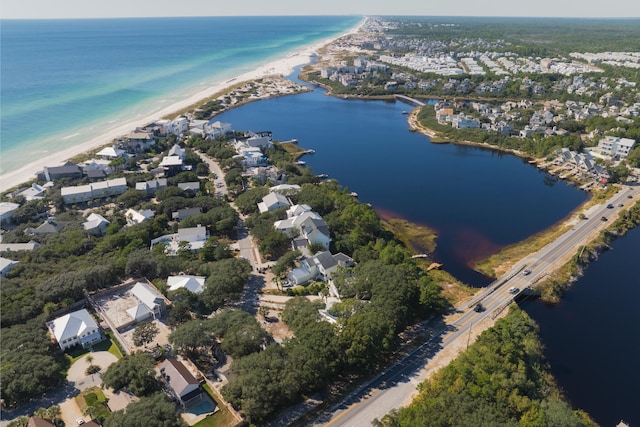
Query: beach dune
282,66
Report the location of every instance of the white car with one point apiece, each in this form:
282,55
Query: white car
513,290
80,421
526,272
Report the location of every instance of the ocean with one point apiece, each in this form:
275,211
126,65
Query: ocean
64,82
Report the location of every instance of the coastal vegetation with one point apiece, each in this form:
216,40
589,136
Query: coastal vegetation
501,379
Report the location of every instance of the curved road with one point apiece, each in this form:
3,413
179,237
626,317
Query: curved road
395,387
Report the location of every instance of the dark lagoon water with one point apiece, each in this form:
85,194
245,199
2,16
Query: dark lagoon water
477,200
592,339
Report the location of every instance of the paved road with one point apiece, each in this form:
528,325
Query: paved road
218,182
394,387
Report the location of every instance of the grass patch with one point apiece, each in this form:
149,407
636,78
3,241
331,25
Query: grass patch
453,290
221,418
113,346
93,397
417,238
294,150
498,264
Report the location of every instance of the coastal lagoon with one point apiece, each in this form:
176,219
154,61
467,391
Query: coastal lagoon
478,200
65,82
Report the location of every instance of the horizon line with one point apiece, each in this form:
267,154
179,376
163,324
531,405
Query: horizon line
320,15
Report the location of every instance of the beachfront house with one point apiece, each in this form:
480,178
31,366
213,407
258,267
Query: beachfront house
68,170
75,328
177,126
111,153
136,142
95,190
35,192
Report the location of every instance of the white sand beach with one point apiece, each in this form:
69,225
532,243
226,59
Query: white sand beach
283,66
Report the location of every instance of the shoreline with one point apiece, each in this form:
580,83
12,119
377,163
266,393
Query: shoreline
282,66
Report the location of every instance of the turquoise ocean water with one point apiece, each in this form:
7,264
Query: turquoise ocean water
63,82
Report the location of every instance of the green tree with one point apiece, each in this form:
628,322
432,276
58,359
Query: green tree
193,338
134,372
144,333
155,410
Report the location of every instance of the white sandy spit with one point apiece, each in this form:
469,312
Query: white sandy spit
282,66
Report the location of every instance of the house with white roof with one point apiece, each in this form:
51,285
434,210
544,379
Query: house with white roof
193,284
171,165
16,247
95,190
6,265
150,187
151,303
291,225
251,156
273,201
110,153
216,129
95,224
139,141
615,146
6,211
178,151
35,192
75,328
320,266
177,126
286,189
136,217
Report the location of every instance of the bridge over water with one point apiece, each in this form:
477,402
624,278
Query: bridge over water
409,100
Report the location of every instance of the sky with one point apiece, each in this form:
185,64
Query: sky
56,9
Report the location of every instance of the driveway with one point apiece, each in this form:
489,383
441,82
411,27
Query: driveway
76,373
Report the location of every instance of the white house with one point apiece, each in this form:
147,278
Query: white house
150,187
75,328
35,192
251,156
6,265
95,224
216,129
177,126
286,189
111,153
272,201
616,147
16,247
136,217
291,225
320,266
151,302
178,151
6,211
194,284
95,190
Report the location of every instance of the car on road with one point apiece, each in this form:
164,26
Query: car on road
603,218
526,272
629,196
478,308
620,205
513,290
80,421
610,206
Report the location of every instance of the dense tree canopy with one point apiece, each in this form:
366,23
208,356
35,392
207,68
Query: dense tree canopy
134,372
155,410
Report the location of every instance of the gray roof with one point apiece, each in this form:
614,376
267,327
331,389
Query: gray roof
189,186
185,213
178,377
325,259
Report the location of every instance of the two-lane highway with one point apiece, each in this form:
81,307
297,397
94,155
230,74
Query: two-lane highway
394,387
